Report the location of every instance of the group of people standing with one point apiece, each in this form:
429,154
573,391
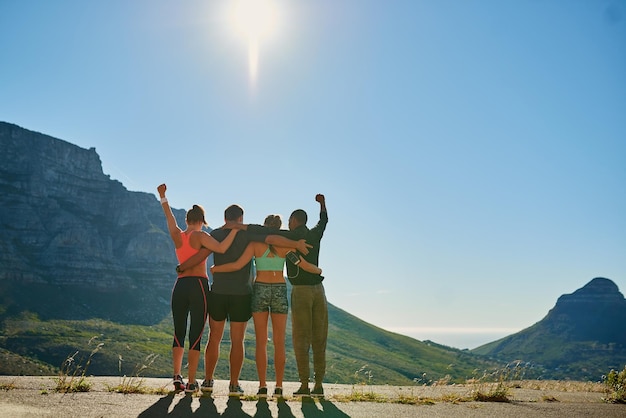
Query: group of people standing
236,296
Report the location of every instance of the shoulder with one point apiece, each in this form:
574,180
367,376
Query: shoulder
198,235
259,248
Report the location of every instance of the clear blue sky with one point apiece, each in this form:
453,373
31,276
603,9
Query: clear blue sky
473,154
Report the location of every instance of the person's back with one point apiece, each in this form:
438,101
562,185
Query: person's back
190,246
313,236
236,282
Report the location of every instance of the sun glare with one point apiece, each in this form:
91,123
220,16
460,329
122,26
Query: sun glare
255,21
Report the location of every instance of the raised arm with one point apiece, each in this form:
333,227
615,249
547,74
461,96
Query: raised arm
245,257
280,241
172,226
322,201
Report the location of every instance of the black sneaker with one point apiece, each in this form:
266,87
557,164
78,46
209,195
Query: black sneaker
278,392
317,392
262,393
235,390
192,388
179,385
207,387
303,391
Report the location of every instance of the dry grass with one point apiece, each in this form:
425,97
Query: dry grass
560,385
7,386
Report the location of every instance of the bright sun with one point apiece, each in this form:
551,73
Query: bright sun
255,21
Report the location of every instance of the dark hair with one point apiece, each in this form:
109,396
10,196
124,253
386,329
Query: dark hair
196,215
273,221
233,212
300,216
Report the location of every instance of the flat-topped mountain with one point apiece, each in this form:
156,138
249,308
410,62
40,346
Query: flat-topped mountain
84,261
74,243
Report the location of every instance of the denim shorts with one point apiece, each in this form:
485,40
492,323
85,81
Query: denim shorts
270,297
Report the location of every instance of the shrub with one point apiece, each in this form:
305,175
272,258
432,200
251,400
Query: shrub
616,386
73,375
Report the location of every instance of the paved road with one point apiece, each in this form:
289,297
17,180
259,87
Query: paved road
34,397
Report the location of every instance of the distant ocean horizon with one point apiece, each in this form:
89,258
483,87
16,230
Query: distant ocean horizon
457,337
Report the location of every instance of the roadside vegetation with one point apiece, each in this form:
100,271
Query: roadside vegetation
616,386
103,348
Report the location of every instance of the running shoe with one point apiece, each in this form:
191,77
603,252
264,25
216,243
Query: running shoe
207,386
303,391
317,392
179,385
235,390
262,393
192,387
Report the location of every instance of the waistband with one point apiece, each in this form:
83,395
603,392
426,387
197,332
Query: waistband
192,277
269,284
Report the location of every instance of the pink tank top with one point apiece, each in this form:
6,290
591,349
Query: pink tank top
186,251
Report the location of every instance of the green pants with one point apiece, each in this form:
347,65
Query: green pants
309,323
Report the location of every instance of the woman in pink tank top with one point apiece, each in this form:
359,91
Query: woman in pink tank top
189,295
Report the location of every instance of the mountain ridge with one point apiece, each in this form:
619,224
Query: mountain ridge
86,261
583,336
65,223
83,259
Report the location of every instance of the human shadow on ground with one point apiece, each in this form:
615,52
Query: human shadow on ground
262,409
183,407
284,411
328,409
207,408
160,407
234,409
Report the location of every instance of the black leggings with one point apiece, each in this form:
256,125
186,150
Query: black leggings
189,297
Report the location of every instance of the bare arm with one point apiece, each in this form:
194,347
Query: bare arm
209,244
280,241
236,265
172,226
194,260
311,268
212,244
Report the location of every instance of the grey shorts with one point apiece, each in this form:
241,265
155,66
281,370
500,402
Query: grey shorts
270,297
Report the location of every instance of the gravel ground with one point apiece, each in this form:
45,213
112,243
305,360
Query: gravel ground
27,396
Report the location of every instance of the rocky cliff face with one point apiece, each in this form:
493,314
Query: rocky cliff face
73,242
595,312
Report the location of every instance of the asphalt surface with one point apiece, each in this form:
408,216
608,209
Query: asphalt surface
27,396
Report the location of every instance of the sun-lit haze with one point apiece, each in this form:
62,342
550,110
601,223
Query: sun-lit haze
472,154
255,21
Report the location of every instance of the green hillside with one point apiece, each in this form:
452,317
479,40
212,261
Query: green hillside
581,338
357,352
556,355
